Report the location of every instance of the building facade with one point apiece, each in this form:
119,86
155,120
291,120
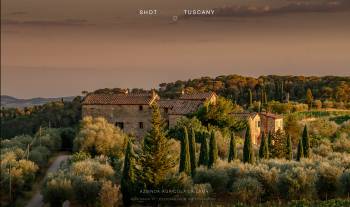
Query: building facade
132,112
271,122
253,120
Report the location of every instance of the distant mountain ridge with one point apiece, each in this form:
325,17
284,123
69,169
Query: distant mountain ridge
12,102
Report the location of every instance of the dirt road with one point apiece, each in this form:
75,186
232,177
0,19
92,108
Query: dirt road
37,200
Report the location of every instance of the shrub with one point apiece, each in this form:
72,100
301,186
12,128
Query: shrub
327,181
109,194
39,155
202,190
97,137
86,190
21,142
328,104
345,183
268,178
50,138
67,136
57,189
342,144
297,183
80,156
317,104
323,149
322,128
92,168
217,177
247,190
21,173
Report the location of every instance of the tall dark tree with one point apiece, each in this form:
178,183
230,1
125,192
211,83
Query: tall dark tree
232,155
155,162
265,98
250,96
269,142
264,147
204,151
248,152
282,91
309,98
289,148
300,152
213,150
306,142
185,162
128,176
193,152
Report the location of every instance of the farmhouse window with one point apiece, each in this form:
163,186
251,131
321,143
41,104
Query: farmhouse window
120,125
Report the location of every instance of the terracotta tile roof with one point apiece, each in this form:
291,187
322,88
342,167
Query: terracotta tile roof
198,96
180,107
119,99
244,115
270,115
166,103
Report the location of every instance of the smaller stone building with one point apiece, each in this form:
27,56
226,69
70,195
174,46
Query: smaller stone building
253,119
271,122
260,123
175,109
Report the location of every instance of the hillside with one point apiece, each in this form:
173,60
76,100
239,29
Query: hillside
12,102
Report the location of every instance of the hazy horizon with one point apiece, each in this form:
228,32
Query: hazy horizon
60,48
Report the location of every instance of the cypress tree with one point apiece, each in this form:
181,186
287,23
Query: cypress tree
309,98
248,154
306,143
269,141
265,97
264,147
185,163
250,98
154,160
213,150
233,149
193,152
128,176
204,152
282,92
300,153
289,148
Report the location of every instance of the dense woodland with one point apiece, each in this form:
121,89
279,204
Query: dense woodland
279,88
17,121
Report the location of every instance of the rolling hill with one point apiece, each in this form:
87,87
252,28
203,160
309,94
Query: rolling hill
9,101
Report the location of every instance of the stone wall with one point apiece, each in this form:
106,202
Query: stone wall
135,121
173,119
254,130
269,124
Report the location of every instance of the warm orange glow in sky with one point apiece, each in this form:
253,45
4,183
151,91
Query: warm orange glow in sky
61,47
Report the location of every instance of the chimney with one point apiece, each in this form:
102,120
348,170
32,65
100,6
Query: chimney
153,93
183,91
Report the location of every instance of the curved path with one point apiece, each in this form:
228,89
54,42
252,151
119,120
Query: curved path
37,200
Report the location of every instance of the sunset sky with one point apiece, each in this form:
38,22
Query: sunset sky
62,47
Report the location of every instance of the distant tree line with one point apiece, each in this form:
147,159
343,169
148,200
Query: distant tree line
243,90
17,121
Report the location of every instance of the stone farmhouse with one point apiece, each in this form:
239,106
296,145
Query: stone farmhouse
260,123
132,111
